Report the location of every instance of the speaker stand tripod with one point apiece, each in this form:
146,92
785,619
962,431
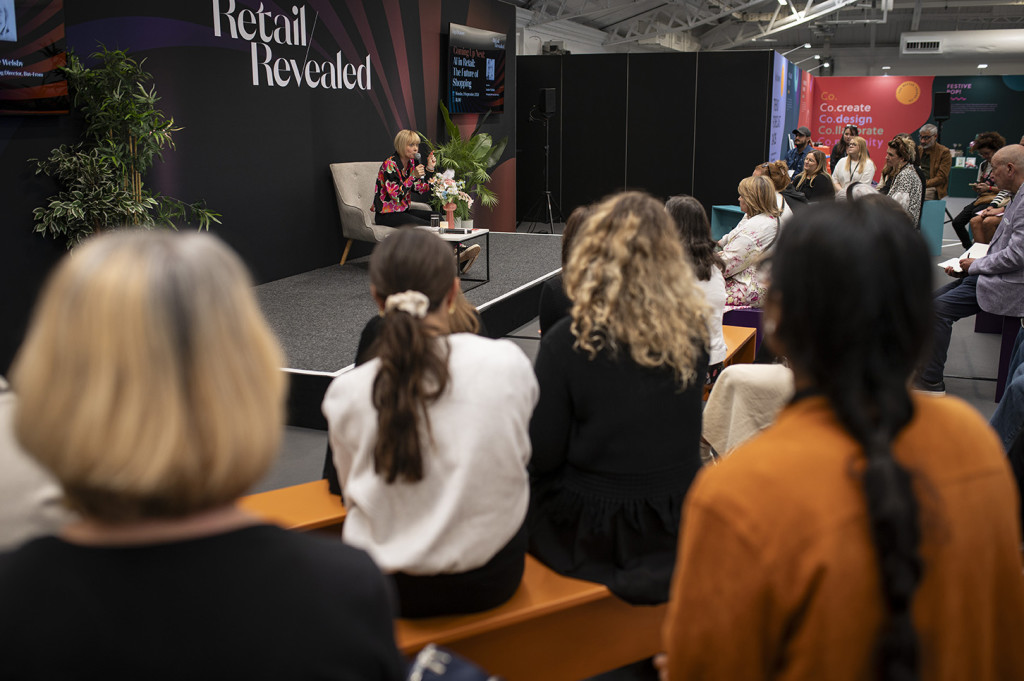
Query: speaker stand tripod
545,200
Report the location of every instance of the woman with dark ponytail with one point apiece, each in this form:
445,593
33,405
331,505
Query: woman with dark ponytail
870,533
431,440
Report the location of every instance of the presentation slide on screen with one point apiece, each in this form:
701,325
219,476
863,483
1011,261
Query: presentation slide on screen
477,70
32,49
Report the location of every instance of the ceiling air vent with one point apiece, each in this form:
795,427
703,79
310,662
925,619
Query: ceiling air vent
922,47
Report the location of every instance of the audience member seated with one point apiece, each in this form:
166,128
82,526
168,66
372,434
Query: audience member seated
695,234
842,147
993,282
814,182
400,176
151,387
431,441
789,199
935,161
857,166
616,434
985,223
985,145
30,499
801,146
464,318
554,304
853,539
901,182
743,247
745,401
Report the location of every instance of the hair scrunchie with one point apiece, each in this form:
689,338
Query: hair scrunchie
412,303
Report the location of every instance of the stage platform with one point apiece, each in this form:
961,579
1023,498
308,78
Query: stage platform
319,315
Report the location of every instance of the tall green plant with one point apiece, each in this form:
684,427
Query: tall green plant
469,158
101,178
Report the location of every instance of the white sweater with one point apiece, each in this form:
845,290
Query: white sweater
475,487
714,291
845,173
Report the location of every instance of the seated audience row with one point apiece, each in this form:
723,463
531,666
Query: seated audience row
852,539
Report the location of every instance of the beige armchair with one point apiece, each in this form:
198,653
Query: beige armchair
354,184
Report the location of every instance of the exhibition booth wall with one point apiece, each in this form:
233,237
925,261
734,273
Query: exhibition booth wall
667,123
268,96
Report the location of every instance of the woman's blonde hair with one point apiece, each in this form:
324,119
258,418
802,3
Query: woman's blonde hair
149,383
865,156
820,160
405,137
760,196
632,287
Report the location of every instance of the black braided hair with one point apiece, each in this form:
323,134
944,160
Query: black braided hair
853,282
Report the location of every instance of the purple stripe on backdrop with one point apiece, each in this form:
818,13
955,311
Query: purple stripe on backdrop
139,34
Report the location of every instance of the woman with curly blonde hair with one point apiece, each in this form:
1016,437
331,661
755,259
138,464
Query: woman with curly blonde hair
616,432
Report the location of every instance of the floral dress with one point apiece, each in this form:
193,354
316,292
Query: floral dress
395,185
745,285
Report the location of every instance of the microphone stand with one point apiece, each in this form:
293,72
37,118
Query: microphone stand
545,199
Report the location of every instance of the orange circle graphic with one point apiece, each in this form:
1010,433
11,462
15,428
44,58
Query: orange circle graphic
908,92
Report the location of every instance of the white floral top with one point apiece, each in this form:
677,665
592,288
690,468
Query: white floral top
745,285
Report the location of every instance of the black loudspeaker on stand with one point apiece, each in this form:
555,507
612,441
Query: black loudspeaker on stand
941,111
542,113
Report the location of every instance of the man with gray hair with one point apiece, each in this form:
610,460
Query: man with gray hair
993,282
934,160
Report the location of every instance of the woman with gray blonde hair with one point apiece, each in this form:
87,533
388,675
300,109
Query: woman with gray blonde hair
616,432
743,247
150,386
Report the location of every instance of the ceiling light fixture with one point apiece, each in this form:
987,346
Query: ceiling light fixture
886,68
805,46
982,66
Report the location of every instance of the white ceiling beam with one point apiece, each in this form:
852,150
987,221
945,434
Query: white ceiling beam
806,16
634,33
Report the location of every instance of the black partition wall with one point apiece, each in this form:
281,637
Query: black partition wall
672,123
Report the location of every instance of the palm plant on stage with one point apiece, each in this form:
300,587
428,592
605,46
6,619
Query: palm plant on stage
469,159
101,177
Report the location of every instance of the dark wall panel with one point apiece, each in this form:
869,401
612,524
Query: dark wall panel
593,128
731,123
258,154
660,143
535,73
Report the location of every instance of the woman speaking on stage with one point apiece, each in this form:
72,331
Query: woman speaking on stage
399,177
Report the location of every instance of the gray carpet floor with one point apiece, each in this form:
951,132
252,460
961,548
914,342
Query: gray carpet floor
319,315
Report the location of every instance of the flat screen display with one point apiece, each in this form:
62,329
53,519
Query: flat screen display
476,70
32,48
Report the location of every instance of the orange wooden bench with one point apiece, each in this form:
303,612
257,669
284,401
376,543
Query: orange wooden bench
740,343
554,628
309,506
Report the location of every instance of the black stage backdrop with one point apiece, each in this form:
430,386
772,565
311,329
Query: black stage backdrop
257,140
673,123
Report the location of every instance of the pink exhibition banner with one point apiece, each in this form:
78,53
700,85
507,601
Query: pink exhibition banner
880,107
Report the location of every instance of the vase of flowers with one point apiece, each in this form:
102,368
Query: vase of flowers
449,195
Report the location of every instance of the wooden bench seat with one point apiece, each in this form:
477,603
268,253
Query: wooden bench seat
309,506
740,344
554,628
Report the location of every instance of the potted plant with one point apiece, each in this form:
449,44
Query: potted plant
469,160
101,177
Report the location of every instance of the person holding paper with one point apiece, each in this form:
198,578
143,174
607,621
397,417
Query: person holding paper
993,282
